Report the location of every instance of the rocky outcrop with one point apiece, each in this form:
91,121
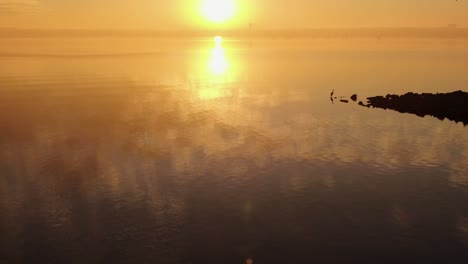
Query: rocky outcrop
452,106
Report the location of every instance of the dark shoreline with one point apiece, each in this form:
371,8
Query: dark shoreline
452,106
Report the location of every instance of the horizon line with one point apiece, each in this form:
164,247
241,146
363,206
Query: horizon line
449,31
448,26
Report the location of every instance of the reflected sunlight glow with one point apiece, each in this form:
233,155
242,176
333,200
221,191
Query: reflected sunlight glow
217,67
218,40
218,62
218,70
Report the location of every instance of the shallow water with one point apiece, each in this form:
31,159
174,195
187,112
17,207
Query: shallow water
187,151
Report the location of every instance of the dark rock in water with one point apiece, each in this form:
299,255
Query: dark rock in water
362,104
452,106
344,101
354,97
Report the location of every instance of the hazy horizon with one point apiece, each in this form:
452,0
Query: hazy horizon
184,14
376,32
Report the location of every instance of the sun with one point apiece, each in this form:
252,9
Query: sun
218,10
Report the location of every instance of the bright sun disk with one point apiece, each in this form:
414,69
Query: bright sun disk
218,10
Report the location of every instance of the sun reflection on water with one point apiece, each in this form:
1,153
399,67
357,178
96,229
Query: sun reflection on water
218,62
219,75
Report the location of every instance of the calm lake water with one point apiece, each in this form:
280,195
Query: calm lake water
188,151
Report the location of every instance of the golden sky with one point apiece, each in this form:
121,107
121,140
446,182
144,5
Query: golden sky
183,14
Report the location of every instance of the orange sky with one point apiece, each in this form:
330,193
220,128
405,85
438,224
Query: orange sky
178,14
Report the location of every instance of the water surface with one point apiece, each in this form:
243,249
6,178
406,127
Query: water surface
188,151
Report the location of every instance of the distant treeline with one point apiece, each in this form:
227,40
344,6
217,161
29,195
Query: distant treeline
442,32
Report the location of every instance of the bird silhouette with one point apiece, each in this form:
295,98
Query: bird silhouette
332,93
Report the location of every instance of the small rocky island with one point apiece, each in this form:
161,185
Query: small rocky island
452,106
